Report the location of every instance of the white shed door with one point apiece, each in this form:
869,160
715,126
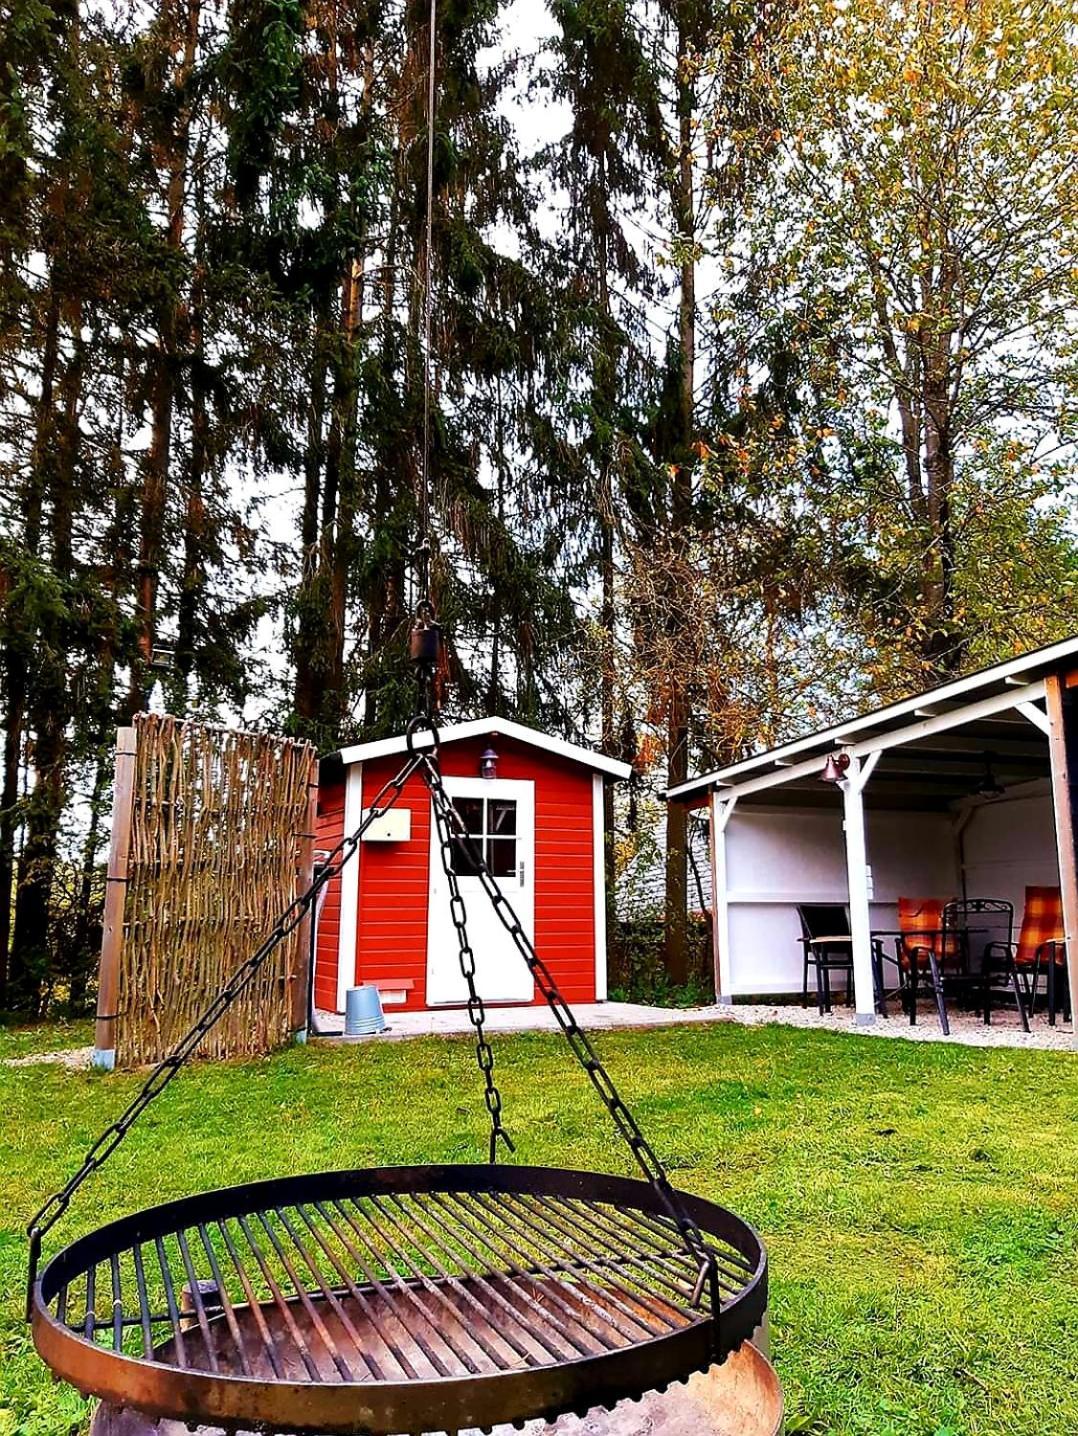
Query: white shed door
499,815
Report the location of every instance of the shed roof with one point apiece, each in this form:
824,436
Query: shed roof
490,728
995,711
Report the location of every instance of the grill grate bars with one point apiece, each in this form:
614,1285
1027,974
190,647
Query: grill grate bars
226,1302
567,1233
529,1336
733,1271
558,1257
396,1286
461,1292
578,1306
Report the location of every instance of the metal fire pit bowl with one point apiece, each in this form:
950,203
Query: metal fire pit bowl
403,1300
740,1398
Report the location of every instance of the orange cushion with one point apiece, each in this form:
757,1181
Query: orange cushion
1042,921
920,921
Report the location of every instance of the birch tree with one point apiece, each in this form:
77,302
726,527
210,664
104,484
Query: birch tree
924,228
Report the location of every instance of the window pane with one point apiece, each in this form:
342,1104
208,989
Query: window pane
462,862
502,856
470,811
502,817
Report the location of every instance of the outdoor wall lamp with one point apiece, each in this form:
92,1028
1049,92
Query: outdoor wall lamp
488,764
834,770
989,786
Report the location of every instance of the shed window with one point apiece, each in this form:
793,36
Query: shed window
491,823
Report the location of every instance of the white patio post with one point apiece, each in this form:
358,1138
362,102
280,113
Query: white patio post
853,788
721,812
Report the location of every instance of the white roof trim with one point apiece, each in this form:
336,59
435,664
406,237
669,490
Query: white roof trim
492,728
1025,668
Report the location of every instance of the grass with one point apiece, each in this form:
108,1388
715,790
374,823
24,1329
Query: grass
920,1202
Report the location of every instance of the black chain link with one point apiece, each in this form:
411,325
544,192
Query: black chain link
484,1053
51,1212
580,1045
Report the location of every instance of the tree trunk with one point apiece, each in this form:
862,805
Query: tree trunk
395,472
50,711
341,475
154,498
944,647
194,537
15,671
14,698
310,616
677,731
605,384
86,940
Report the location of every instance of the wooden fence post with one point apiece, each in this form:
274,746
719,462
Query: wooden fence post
108,989
301,972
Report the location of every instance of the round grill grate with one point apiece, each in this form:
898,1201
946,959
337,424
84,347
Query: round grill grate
366,1301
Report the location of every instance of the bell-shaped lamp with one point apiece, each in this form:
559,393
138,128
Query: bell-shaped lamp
488,764
834,770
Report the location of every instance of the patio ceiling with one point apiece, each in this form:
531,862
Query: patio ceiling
936,772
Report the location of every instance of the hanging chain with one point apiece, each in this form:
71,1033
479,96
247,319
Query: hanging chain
51,1212
484,1053
580,1045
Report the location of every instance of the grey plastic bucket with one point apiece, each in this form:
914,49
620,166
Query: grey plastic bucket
363,1015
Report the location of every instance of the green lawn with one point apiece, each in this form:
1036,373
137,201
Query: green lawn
920,1203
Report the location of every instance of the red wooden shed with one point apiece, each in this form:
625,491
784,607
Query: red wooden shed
539,819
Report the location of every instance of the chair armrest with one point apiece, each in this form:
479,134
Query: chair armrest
1055,950
1000,949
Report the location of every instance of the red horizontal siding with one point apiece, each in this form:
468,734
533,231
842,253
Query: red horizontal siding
391,942
330,830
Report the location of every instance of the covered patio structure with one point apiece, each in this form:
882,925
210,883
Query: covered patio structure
968,790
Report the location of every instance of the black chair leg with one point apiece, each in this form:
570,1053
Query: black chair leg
937,986
1056,974
805,981
877,982
1032,983
911,987
1017,990
826,989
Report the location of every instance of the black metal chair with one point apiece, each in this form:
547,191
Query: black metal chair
1039,944
828,947
980,934
918,950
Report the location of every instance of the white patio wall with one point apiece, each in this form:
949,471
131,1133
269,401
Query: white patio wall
778,857
1011,843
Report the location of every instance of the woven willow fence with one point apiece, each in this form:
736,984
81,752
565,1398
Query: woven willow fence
219,843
